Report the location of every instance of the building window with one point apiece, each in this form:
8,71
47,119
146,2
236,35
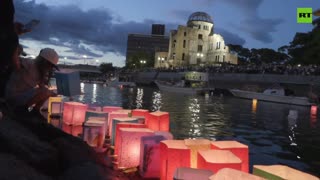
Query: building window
199,26
198,61
205,27
173,55
182,56
199,36
174,43
184,43
218,45
223,58
199,48
185,33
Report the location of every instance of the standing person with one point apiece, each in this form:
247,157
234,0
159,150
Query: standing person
28,86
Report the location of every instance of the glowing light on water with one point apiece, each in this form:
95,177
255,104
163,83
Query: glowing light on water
94,93
81,97
194,108
156,101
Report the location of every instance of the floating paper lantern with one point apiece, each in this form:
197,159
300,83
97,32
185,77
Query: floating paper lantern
240,150
313,110
54,107
129,149
140,112
195,145
166,134
109,109
141,119
158,121
94,108
173,154
93,133
74,113
191,174
149,156
128,111
73,130
117,137
231,174
215,160
281,172
95,114
115,121
115,114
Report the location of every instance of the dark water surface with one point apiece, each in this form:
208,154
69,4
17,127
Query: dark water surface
271,137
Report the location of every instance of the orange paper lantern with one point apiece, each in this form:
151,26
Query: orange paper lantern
195,145
240,150
74,113
158,121
173,154
215,160
129,149
117,137
231,174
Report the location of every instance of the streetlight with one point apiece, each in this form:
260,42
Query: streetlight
97,61
142,62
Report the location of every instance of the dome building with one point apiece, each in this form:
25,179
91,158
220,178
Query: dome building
196,44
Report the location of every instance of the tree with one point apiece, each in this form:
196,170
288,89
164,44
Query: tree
106,67
244,54
137,60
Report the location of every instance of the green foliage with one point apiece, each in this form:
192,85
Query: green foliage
106,67
134,61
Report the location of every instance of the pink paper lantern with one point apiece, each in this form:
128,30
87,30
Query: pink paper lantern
215,160
238,149
231,174
129,149
112,115
93,133
158,121
73,130
110,109
173,154
192,174
117,137
74,113
140,112
115,121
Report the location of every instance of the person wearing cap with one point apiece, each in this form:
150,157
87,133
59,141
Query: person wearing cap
28,85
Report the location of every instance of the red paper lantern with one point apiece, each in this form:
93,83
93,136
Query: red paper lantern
240,150
313,110
215,160
173,154
228,173
129,149
74,113
196,145
140,112
110,109
73,130
117,137
158,121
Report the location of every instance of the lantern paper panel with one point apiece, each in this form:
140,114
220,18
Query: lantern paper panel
240,150
93,133
117,137
128,111
215,160
140,112
281,172
114,123
113,115
56,101
195,145
73,130
102,119
95,108
141,119
149,156
191,174
129,149
110,109
158,121
173,154
74,113
96,114
166,134
231,174
68,82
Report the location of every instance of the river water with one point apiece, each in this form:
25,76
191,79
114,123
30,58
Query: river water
264,126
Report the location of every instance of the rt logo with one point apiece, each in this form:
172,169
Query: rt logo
304,15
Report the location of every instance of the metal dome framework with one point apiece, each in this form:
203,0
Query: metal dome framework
200,16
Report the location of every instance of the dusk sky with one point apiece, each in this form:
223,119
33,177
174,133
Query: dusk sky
98,29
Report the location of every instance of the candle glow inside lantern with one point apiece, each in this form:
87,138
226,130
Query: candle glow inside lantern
90,113
93,133
281,172
73,130
112,115
238,149
191,174
173,154
158,121
228,173
149,156
114,123
129,149
54,107
215,160
110,109
74,113
195,145
117,137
